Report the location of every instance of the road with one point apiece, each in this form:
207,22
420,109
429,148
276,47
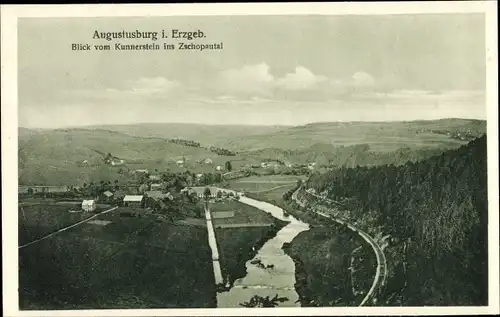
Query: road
66,228
381,272
212,242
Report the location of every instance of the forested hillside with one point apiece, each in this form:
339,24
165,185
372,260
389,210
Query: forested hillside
436,212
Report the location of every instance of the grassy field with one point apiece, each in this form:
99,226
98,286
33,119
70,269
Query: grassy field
41,219
132,262
264,183
243,214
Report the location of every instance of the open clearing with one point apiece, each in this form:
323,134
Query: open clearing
261,183
132,262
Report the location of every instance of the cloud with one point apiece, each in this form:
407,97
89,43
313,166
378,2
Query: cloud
147,85
247,79
301,79
362,79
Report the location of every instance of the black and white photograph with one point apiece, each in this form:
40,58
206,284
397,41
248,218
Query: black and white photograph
237,161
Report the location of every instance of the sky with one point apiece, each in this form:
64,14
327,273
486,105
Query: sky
272,70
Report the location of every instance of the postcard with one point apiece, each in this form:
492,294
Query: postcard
250,159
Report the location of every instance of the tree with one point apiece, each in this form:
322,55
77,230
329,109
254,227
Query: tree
207,193
228,166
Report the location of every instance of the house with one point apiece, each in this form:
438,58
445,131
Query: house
198,176
117,162
88,205
200,191
142,171
108,194
180,162
155,178
208,161
169,196
218,168
155,194
155,186
133,200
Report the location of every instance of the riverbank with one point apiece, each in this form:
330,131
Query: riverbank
330,270
326,247
239,245
271,272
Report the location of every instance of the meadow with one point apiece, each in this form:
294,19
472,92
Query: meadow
264,183
38,220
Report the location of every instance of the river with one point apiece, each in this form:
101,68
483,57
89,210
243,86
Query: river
268,282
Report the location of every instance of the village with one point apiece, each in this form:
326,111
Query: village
146,191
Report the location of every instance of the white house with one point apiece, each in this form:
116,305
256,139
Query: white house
180,162
133,200
208,161
218,168
155,186
154,177
108,194
88,205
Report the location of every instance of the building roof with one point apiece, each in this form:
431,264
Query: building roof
141,171
136,198
88,202
108,193
154,177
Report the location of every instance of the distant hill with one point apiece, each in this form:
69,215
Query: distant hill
53,156
381,136
56,156
436,212
205,134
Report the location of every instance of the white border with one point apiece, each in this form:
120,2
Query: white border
9,15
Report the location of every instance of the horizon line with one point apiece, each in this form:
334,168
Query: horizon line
244,124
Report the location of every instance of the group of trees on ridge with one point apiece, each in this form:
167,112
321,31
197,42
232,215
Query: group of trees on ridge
438,209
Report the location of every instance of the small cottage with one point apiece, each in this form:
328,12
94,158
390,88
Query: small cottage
88,205
133,200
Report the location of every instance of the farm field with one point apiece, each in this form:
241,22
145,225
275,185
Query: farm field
119,262
243,214
38,220
264,183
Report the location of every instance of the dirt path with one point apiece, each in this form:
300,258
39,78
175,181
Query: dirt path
381,272
212,242
66,228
